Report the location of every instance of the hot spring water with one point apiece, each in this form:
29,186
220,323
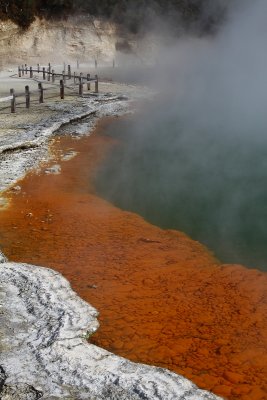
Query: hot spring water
212,188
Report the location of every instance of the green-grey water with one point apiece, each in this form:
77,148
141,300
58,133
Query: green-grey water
211,186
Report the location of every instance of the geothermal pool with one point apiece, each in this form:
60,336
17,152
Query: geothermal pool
210,185
163,298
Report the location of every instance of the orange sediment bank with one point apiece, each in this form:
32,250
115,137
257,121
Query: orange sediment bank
163,299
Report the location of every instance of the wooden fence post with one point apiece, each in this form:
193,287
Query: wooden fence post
80,86
27,96
96,84
53,75
22,69
64,67
19,71
43,73
62,92
38,68
69,72
88,82
74,78
13,101
26,69
63,76
48,72
41,92
31,75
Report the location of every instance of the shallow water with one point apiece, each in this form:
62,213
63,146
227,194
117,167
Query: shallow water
211,186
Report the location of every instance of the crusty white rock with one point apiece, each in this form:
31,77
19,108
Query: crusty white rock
24,144
44,352
2,257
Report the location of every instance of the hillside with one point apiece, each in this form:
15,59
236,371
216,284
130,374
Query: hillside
195,15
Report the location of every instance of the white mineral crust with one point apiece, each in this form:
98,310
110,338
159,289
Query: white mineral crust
45,354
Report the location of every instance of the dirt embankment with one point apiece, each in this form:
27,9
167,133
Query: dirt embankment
163,298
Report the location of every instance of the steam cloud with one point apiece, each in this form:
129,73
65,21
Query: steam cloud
196,160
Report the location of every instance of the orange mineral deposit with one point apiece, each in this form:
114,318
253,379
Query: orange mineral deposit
163,298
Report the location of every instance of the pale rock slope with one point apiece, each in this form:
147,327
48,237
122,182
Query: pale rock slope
80,38
56,41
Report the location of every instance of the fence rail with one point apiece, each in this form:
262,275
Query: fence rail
47,74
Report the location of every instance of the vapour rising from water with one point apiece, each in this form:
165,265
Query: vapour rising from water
196,159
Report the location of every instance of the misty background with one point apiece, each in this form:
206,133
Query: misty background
195,159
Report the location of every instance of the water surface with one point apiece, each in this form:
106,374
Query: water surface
210,184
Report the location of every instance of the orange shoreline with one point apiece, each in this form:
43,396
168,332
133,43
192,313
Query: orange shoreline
163,298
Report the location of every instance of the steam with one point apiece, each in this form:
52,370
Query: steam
196,159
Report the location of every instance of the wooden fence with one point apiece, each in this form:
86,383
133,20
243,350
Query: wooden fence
50,76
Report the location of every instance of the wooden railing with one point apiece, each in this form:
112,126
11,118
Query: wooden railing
8,98
50,76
